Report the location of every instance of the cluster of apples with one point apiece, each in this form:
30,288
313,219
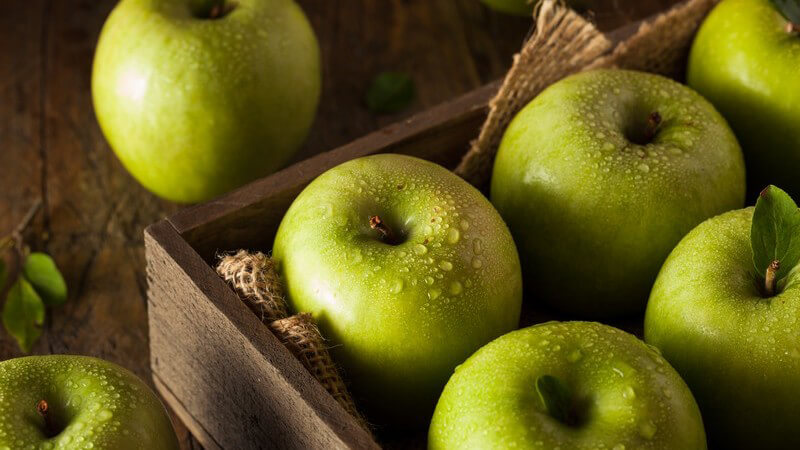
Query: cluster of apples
622,191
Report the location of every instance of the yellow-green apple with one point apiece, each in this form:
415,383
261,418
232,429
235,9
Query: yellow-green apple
745,60
197,97
725,311
566,385
601,175
407,268
77,402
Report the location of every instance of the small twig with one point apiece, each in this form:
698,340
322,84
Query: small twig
14,239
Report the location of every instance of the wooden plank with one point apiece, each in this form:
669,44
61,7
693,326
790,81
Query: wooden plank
238,382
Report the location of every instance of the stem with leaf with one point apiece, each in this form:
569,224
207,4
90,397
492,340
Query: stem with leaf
774,238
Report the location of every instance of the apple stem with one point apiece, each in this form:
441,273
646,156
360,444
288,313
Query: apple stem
376,223
653,122
770,277
792,27
44,410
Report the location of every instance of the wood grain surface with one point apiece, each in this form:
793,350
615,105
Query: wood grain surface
93,215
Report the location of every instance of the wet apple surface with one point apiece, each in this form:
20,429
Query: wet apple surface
407,268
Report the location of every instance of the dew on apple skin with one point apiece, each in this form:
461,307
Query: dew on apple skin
456,288
434,293
453,236
397,286
420,249
446,265
647,429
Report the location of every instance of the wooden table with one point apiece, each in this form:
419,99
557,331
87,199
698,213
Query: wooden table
93,214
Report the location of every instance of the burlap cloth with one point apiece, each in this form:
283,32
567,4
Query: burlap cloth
564,43
254,279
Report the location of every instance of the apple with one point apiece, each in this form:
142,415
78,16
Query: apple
197,97
66,401
601,175
407,269
566,385
734,342
745,61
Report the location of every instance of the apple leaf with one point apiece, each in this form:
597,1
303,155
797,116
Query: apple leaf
790,9
390,92
23,314
775,232
46,279
556,397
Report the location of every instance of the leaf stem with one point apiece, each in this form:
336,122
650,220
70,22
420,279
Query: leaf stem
770,278
15,237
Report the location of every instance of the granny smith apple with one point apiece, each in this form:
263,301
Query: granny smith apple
745,60
566,385
407,269
197,97
601,175
64,401
735,342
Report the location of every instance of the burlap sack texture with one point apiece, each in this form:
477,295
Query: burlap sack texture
254,279
564,43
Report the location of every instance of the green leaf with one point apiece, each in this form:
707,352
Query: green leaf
44,276
556,397
23,314
775,232
789,8
390,92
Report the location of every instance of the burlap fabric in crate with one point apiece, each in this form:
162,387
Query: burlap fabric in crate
564,43
254,279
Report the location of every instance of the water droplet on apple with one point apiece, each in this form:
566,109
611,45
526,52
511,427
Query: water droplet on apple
429,280
434,293
629,392
427,230
619,447
456,288
643,167
420,249
464,224
446,265
477,246
453,235
104,415
477,263
575,355
397,286
647,429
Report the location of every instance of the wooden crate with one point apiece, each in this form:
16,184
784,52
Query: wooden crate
223,372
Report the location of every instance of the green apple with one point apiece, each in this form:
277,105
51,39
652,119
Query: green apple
566,385
601,175
407,269
197,97
77,402
745,60
735,345
516,7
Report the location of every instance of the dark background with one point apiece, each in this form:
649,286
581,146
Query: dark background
93,213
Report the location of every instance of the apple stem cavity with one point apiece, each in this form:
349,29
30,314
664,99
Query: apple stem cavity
212,9
44,411
653,124
387,235
770,278
792,28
